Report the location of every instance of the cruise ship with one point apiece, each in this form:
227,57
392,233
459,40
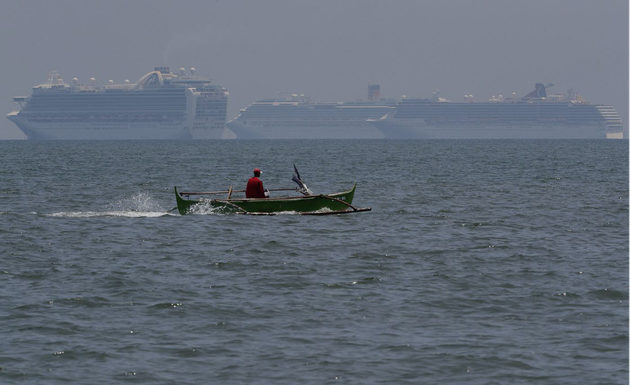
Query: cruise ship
297,117
534,116
160,105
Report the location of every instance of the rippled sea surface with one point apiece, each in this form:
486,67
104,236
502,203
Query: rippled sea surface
481,262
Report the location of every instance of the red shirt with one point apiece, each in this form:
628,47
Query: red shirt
254,188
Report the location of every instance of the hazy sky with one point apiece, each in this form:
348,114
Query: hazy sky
329,50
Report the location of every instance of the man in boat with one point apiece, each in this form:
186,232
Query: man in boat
255,187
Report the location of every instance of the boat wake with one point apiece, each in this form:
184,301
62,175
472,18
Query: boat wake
120,214
141,201
140,205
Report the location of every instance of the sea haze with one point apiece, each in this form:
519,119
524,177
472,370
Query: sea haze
481,262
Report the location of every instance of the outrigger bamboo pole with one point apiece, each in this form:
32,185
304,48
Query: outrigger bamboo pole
314,213
340,201
234,191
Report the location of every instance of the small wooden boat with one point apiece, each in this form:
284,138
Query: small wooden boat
321,204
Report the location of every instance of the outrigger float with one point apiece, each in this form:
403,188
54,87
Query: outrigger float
320,204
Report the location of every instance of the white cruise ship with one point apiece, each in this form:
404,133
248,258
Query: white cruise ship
299,118
160,105
534,116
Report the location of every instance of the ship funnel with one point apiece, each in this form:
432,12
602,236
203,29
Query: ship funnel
182,71
374,92
93,80
75,81
539,92
192,70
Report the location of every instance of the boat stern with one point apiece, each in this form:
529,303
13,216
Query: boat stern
183,205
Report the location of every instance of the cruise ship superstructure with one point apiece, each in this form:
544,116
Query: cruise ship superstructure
297,117
534,116
160,105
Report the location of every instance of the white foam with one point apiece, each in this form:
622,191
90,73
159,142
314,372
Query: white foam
121,214
141,202
140,205
205,208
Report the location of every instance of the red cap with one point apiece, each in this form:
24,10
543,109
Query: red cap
257,171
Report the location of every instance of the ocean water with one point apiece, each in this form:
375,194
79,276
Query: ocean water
481,262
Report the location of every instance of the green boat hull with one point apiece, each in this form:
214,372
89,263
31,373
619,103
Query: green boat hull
323,203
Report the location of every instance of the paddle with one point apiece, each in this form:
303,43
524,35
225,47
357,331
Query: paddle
296,178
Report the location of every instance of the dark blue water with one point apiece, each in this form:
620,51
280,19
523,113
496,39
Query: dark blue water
482,262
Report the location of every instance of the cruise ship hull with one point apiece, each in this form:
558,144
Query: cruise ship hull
206,133
100,130
417,129
305,130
